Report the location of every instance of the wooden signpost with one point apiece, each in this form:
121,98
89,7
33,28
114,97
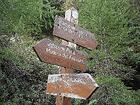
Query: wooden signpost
71,15
67,84
79,86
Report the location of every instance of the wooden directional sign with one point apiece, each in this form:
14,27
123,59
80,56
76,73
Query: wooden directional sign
79,86
49,52
73,33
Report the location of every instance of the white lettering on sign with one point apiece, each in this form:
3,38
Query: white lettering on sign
67,53
70,28
53,46
78,79
53,79
71,78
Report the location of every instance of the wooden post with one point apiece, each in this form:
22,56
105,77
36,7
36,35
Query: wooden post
72,16
66,83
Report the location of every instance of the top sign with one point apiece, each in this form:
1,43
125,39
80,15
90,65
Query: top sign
73,33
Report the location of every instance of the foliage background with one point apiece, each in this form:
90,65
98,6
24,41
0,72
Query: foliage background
115,62
117,58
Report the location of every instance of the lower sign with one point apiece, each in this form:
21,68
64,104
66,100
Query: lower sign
60,55
79,86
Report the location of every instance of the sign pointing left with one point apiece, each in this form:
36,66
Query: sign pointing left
49,52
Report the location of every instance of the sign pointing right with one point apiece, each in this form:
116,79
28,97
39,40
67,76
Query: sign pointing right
79,86
73,33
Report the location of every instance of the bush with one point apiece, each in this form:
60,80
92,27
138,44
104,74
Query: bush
109,20
115,25
113,92
26,17
23,77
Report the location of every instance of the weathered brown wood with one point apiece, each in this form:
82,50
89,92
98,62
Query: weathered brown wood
63,100
60,55
79,86
72,16
73,33
60,100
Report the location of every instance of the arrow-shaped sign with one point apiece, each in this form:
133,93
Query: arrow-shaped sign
60,55
73,33
79,86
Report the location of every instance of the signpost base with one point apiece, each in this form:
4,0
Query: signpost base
63,100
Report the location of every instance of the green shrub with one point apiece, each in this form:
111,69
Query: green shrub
26,16
116,28
113,92
23,77
109,20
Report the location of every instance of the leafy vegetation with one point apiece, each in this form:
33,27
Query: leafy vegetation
115,62
116,27
26,17
22,76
